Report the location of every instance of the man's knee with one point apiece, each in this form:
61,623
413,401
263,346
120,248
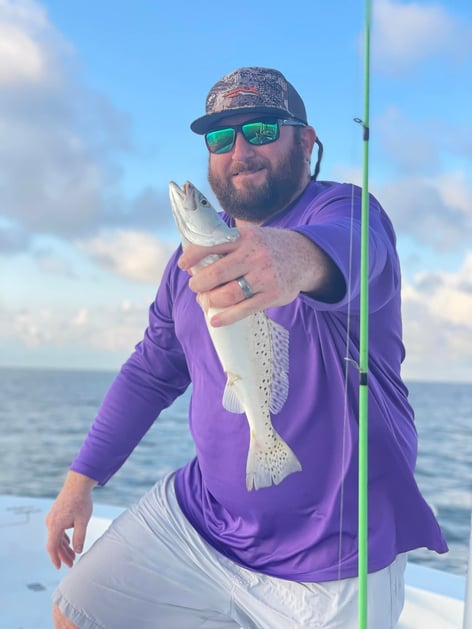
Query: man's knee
60,621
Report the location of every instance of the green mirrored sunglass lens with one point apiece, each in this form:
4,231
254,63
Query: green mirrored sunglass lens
260,132
220,141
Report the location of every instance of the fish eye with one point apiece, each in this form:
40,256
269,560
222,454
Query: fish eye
204,202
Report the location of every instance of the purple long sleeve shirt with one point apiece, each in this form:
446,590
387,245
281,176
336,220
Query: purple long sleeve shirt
305,528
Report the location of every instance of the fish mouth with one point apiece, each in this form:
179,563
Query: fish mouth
177,202
176,194
184,205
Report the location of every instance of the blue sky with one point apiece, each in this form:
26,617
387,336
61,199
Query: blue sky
96,101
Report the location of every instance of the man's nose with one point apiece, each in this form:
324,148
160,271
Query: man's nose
242,148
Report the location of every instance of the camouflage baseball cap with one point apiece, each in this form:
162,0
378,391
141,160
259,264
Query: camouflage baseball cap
250,90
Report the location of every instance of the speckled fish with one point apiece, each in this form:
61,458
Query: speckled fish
253,352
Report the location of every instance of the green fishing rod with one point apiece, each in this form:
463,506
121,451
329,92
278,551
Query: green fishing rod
363,553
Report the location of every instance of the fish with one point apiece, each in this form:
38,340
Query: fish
253,352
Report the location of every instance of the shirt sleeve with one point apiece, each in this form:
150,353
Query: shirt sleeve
150,380
335,226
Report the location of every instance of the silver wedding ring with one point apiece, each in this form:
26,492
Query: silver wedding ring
245,287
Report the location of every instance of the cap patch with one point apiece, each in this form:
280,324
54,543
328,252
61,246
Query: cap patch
240,91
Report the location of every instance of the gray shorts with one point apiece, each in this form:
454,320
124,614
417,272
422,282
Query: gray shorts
151,569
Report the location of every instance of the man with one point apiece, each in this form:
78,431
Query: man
200,550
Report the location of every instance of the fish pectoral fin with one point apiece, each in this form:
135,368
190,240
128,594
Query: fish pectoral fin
230,400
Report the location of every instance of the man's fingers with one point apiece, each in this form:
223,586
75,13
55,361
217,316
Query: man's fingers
59,547
54,544
224,296
78,537
193,254
72,509
241,310
66,553
55,559
218,273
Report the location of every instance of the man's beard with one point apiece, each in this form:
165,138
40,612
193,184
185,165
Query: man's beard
256,203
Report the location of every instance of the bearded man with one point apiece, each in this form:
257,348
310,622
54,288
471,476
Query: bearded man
199,549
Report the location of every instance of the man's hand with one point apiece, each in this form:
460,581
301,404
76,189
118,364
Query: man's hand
72,509
277,264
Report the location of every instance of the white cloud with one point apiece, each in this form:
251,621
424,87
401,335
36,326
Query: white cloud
32,52
346,173
455,190
419,207
113,328
81,318
451,298
435,212
133,254
57,135
61,142
406,33
21,59
428,193
51,263
410,144
437,316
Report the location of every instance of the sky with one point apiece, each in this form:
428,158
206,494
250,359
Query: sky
95,105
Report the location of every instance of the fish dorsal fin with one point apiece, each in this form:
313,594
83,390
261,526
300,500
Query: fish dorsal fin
230,400
279,337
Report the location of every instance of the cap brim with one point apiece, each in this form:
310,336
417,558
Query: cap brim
210,121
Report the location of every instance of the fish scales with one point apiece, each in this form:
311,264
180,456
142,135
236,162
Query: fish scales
254,352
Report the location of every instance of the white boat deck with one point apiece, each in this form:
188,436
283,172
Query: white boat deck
435,600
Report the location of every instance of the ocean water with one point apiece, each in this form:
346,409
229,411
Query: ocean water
45,414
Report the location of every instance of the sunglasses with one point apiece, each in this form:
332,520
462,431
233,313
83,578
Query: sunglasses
257,132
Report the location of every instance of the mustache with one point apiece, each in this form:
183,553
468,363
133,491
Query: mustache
245,167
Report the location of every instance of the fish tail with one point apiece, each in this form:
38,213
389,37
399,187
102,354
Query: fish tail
269,461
